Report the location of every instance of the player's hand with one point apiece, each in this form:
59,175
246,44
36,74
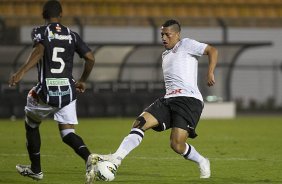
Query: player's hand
211,80
15,78
80,86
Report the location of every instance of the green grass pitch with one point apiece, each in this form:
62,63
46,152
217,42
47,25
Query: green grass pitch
243,150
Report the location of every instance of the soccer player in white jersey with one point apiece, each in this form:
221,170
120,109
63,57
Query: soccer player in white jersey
181,107
53,50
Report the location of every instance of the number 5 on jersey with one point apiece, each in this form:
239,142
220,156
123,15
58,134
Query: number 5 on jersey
55,58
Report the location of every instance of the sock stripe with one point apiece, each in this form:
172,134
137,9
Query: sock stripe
188,152
83,146
137,132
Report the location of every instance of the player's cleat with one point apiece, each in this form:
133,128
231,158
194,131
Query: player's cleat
25,170
90,167
205,170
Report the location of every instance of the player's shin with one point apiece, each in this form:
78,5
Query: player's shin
33,143
76,143
129,143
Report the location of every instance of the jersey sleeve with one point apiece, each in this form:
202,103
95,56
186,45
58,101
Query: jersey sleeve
194,47
37,36
80,46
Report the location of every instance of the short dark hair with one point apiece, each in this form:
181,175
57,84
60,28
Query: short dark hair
173,23
52,9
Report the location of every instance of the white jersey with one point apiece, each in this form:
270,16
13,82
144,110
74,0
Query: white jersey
180,68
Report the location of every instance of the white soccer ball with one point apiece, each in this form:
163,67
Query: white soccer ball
105,171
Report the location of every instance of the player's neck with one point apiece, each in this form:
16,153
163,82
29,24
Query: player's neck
53,20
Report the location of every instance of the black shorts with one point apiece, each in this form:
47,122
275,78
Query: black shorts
179,112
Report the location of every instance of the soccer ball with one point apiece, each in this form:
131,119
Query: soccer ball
105,171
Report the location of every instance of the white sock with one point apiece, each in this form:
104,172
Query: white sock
192,154
129,143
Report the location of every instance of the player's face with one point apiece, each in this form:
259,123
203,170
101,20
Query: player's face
169,37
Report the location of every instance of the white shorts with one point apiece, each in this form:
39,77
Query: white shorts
37,110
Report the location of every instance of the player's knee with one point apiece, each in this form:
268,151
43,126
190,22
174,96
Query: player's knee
65,132
31,123
139,122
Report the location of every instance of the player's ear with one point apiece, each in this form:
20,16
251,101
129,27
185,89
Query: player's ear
178,34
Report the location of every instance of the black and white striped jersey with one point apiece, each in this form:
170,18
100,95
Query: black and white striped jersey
56,86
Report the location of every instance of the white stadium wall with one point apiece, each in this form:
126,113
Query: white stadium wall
221,110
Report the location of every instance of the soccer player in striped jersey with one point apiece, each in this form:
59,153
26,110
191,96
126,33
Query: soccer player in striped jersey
181,107
54,46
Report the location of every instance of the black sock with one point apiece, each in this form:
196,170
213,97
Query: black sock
33,146
77,145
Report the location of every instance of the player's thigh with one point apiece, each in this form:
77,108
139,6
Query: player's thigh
66,116
186,113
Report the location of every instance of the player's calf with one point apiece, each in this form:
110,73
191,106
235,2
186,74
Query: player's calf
178,147
75,142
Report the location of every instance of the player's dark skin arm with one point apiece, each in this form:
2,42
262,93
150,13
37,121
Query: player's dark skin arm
35,55
213,55
89,63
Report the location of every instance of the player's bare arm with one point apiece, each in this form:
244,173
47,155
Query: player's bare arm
89,63
35,55
213,55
